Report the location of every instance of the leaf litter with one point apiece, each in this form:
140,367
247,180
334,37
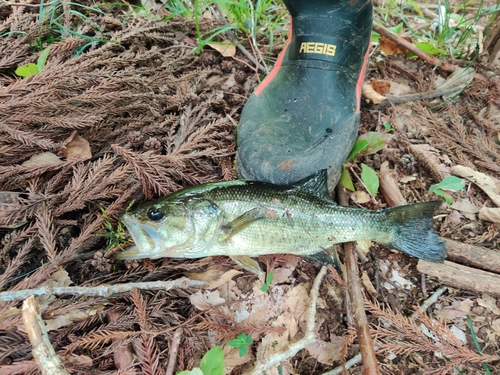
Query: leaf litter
149,117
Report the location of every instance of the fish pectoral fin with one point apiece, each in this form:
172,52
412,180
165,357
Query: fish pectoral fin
243,221
247,263
327,256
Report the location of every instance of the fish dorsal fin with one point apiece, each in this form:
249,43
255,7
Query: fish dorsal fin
315,184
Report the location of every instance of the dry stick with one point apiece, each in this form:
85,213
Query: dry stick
429,301
366,347
174,348
309,338
471,255
43,351
100,290
421,54
353,361
462,277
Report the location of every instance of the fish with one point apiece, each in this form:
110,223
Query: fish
243,219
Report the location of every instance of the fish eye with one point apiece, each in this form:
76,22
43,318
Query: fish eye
155,214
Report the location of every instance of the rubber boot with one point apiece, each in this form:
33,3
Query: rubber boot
304,116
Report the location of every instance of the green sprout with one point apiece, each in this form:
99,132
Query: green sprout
241,341
212,363
117,238
268,283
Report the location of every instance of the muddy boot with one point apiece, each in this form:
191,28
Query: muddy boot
305,115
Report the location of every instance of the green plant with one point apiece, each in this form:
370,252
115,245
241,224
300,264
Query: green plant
451,183
212,363
268,283
30,69
476,343
51,14
368,143
117,238
242,341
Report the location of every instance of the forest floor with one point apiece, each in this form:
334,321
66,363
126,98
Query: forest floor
105,124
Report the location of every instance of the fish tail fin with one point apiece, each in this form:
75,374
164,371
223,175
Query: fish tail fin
413,233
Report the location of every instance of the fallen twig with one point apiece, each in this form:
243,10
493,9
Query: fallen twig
366,347
356,303
173,349
43,351
417,51
429,301
309,338
100,290
462,277
353,361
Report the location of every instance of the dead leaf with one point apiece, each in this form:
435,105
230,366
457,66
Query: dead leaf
459,79
406,179
371,95
76,148
232,356
205,300
488,184
458,309
326,352
489,303
381,87
73,316
226,49
360,197
364,245
466,208
490,214
213,277
398,89
392,48
45,158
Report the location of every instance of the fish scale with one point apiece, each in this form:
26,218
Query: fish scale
244,219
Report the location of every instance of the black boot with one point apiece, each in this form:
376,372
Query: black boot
305,115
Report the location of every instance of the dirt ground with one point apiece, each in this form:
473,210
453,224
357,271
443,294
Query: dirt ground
143,116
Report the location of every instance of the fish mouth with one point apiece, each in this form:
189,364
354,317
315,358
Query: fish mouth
145,239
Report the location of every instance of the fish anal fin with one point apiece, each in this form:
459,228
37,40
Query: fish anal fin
247,263
327,256
242,221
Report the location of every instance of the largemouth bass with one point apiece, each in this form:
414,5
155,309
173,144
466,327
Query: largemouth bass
243,219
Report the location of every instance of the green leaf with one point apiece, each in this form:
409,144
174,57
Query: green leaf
269,278
248,340
452,183
212,362
235,343
376,142
345,179
243,350
42,59
195,371
441,193
357,148
428,48
388,126
27,70
264,288
370,179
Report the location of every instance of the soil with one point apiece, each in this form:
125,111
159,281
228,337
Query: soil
152,117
